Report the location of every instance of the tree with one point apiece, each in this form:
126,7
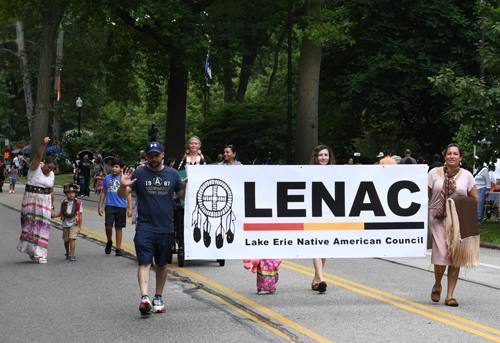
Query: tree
52,13
381,82
474,98
308,89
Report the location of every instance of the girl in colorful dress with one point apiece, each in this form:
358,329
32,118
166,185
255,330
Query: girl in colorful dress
100,179
267,274
37,207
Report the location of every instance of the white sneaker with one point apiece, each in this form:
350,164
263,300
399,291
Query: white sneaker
42,260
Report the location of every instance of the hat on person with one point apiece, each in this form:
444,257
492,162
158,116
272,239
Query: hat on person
154,147
71,187
380,154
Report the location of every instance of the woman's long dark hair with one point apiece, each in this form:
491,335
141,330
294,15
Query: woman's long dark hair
315,152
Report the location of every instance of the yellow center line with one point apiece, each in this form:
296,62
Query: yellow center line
332,278
257,306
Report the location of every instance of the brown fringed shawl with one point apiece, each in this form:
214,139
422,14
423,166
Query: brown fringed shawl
462,231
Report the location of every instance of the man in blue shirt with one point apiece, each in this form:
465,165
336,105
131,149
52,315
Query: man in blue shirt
155,186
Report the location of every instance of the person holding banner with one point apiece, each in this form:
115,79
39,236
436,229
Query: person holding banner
192,155
230,156
446,182
321,155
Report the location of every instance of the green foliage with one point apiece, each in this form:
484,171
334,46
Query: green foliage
256,125
381,81
475,101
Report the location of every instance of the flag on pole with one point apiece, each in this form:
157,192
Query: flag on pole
208,70
59,88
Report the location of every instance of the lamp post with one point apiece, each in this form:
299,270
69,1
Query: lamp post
79,104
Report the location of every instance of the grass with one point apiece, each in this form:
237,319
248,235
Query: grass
489,230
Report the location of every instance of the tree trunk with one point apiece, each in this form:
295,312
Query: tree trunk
276,56
56,120
23,58
176,109
307,92
50,22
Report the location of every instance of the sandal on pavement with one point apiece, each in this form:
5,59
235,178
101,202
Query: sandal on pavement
72,258
435,295
315,286
451,302
42,260
322,287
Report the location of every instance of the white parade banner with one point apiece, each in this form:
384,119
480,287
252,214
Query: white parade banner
238,212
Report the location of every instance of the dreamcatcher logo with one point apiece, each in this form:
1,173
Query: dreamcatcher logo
214,200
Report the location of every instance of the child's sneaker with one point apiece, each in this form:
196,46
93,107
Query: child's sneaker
158,306
145,306
107,250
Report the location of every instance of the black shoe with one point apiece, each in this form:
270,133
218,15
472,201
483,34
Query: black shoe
108,248
119,252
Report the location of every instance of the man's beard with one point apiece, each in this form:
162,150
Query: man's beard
154,164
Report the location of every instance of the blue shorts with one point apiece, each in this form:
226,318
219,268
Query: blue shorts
12,180
153,244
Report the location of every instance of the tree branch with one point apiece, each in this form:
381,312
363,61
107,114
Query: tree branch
9,51
146,29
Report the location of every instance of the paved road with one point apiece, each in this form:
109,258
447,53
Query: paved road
96,298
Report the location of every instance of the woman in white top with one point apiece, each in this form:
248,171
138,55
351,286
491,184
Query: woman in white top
483,184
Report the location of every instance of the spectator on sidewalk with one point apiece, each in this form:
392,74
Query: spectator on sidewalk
84,171
408,157
13,177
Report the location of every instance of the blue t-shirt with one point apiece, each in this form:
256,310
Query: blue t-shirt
111,184
155,195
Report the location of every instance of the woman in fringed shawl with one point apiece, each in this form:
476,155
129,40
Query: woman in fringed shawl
37,207
446,182
192,155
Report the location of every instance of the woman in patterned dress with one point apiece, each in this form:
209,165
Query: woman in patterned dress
37,207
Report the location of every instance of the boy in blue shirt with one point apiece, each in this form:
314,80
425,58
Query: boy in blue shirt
116,207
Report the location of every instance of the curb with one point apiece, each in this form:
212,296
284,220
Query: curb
489,245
